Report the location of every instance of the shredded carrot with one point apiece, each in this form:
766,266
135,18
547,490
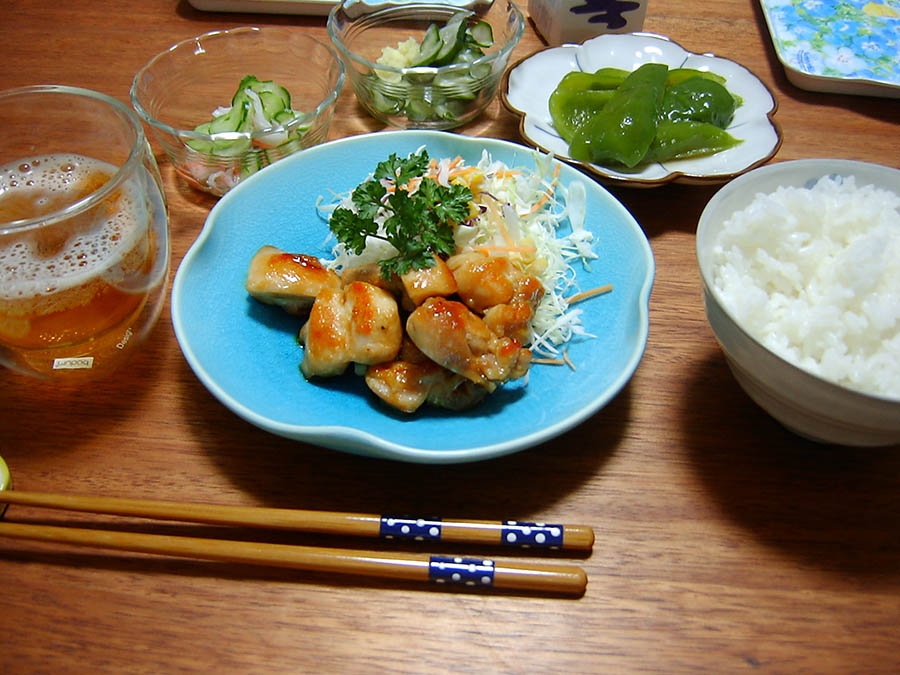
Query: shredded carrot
484,248
540,202
498,220
508,173
567,360
549,362
549,193
584,295
462,171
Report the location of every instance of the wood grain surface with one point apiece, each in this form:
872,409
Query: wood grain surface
724,542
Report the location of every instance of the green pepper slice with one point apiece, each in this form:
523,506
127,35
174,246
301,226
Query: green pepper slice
679,75
579,96
623,130
685,138
698,99
571,110
604,78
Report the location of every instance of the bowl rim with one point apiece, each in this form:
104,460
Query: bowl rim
824,165
190,134
387,10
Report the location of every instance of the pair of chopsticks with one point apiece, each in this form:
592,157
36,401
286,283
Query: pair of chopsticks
452,570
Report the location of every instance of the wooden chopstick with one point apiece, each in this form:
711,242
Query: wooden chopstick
506,533
452,570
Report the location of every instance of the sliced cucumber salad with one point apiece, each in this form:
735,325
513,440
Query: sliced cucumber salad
412,87
257,105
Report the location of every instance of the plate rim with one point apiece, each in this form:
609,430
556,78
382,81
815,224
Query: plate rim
680,177
356,441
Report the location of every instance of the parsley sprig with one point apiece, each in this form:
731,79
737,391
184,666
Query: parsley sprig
418,225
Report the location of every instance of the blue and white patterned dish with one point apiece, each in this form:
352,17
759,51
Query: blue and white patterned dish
247,354
838,46
530,82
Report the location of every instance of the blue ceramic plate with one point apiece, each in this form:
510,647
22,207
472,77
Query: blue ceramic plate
247,353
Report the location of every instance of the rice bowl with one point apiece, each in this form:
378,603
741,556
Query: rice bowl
814,274
801,282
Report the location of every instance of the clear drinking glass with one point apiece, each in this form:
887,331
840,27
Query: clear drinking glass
84,238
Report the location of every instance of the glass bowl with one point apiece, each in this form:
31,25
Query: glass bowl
422,96
180,88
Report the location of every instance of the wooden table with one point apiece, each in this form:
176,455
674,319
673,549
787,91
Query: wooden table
724,542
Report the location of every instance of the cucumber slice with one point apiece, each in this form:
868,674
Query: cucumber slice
273,91
470,53
284,116
233,120
273,103
419,110
431,44
453,38
240,96
482,34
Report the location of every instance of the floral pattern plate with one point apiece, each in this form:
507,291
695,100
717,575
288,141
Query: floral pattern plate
838,46
528,84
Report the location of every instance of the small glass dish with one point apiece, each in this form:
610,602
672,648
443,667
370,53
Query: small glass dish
178,90
422,96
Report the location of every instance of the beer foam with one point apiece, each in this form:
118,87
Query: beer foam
108,242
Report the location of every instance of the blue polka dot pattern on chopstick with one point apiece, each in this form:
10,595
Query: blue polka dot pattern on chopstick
418,529
527,535
464,571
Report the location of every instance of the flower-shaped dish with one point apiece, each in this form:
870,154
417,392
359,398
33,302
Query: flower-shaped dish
247,353
529,83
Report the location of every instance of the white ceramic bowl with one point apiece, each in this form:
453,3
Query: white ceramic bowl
529,83
804,403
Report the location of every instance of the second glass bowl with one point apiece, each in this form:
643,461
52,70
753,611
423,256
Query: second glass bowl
422,96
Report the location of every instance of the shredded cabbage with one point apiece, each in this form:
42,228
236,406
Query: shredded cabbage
522,213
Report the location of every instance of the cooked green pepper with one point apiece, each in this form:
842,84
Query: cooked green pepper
571,110
623,130
579,96
679,75
604,78
684,138
698,99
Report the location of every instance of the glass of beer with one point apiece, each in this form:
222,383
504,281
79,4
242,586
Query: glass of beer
84,237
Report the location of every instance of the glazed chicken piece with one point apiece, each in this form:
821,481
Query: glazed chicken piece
456,338
359,323
483,280
494,287
289,280
513,319
413,379
413,288
429,282
370,273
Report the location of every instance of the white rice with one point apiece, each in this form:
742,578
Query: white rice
814,274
